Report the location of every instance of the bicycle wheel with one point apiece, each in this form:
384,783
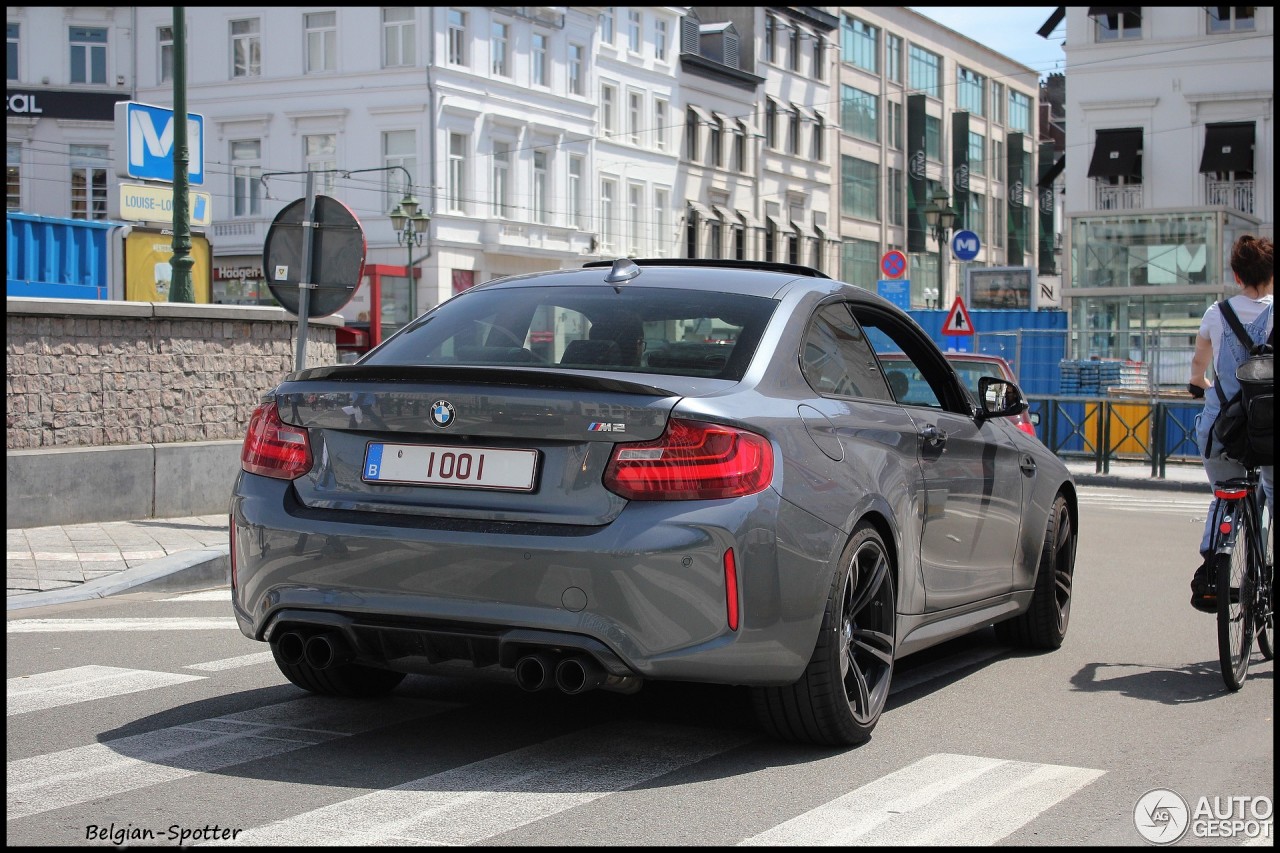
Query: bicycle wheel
1264,614
1235,613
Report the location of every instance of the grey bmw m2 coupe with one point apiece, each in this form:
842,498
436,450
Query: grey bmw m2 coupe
644,470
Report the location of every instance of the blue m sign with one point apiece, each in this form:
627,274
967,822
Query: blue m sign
144,137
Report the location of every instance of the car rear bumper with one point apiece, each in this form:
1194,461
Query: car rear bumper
645,595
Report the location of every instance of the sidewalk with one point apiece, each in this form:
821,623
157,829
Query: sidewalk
54,565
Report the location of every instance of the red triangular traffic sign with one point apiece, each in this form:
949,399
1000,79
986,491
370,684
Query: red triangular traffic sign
958,322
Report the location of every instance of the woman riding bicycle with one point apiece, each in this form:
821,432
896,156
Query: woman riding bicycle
1251,265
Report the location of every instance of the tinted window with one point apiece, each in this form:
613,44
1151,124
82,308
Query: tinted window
913,365
837,359
653,330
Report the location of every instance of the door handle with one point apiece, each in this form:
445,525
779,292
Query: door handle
1028,465
932,435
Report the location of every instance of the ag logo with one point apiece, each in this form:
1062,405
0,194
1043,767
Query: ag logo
1161,816
442,414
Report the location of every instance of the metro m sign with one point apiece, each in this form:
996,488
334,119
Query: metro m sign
144,143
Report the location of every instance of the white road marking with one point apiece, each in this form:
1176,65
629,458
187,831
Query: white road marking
79,775
82,684
232,663
49,626
467,805
940,800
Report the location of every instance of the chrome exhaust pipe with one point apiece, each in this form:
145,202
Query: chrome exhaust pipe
290,647
325,650
534,672
578,674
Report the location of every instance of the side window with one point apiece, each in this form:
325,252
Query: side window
837,358
913,367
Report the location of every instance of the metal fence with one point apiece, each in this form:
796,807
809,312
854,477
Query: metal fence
1107,430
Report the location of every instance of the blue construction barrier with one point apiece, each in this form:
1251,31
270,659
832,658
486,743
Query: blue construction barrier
55,258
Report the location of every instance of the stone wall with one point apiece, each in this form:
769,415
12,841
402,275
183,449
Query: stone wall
85,374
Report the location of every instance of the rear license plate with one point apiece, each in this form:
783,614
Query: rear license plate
435,465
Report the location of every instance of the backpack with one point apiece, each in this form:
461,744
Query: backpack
1245,427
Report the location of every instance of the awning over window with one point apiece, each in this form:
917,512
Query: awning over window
779,225
703,115
803,229
749,220
724,213
723,122
701,209
1052,23
1051,174
1228,148
1101,11
1116,153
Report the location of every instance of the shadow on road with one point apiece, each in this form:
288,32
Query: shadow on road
1196,682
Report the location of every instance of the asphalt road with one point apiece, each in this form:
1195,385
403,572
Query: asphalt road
149,719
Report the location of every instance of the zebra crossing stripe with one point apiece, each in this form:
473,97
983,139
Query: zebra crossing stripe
79,775
231,663
82,684
470,804
940,800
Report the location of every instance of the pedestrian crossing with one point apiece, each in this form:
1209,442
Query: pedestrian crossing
1118,501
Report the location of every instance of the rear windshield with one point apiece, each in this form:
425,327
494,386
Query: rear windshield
640,330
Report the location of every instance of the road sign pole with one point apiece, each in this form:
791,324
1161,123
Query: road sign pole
181,263
304,281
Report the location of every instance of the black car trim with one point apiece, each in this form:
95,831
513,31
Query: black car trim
470,374
722,263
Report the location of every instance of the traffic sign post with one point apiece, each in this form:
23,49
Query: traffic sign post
958,323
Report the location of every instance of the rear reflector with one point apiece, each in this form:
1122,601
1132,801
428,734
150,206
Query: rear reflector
272,448
692,460
1230,494
731,589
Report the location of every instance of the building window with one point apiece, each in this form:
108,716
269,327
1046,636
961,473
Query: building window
860,44
608,227
660,40
398,37
819,57
635,108
322,41
164,49
457,37
246,48
576,66
691,234
89,181
859,113
1231,19
320,154
634,22
501,179
894,128
977,220
893,58
997,159
997,102
88,56
817,148
897,196
793,48
739,243
770,241
606,26
860,262
635,222
399,148
933,138
691,136
925,71
971,91
541,213
739,162
456,188
1114,24
499,36
13,180
771,123
997,228
715,238
715,143
608,104
1019,112
793,131
538,60
859,188
246,169
793,247
575,191
12,30
770,38
660,124
661,204
977,153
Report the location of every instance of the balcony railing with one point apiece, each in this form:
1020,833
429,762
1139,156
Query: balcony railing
1237,195
1108,197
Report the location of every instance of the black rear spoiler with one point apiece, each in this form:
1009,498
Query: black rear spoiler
474,375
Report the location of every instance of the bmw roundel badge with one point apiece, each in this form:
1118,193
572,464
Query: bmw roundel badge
442,413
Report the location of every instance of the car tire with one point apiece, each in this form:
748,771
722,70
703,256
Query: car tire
1044,624
839,698
348,679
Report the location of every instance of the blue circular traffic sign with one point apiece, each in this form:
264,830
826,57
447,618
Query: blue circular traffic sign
965,245
893,264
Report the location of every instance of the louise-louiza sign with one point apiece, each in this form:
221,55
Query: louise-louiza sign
144,143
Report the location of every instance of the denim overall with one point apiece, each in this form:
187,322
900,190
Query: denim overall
1218,467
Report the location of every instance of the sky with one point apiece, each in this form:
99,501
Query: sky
1007,30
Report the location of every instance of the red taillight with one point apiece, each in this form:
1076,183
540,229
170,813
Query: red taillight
691,461
272,448
1027,427
1230,494
731,589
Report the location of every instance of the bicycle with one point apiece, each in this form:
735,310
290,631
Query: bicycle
1244,574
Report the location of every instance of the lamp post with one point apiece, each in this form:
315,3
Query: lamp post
939,216
410,225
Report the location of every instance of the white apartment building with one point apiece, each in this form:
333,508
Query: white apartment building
923,108
1170,157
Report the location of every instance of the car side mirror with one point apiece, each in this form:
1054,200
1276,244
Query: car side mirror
999,398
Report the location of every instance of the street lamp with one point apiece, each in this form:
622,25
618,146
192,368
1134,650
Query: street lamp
410,226
939,216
